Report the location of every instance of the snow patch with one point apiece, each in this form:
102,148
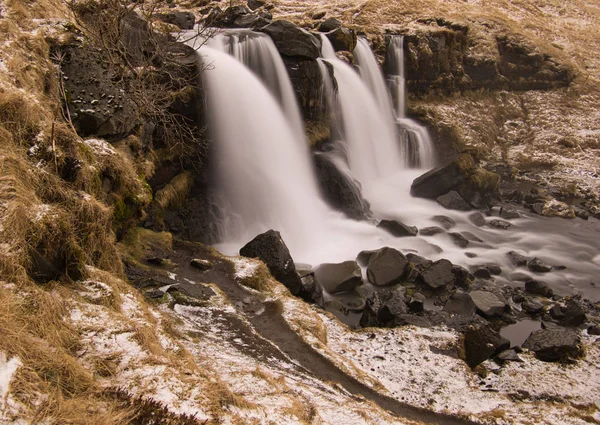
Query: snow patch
244,267
100,147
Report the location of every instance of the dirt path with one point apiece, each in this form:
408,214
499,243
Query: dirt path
267,320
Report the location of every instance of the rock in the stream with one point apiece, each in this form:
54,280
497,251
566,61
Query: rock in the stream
398,229
538,287
593,330
386,267
477,219
339,277
517,259
508,214
445,221
458,239
538,266
532,306
460,303
500,224
292,40
342,39
488,303
462,277
551,345
453,201
329,24
494,269
481,342
482,272
363,256
430,231
201,265
272,250
439,181
439,274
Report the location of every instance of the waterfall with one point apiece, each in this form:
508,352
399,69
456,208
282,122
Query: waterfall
417,146
264,175
257,51
372,148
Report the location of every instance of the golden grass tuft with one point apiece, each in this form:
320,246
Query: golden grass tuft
174,194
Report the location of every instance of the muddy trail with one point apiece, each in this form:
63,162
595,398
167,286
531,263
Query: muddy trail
275,339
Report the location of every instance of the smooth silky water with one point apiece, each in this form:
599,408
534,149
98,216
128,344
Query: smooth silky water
266,179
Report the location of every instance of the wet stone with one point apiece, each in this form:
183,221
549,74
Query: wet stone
439,274
477,219
532,307
517,259
509,356
538,287
430,231
453,201
460,303
459,240
201,265
554,344
445,221
398,229
500,224
488,303
508,214
538,266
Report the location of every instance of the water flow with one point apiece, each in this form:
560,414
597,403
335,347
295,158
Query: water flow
372,149
258,53
417,146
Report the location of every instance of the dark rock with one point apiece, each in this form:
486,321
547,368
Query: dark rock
460,303
201,265
255,4
342,39
398,229
509,356
471,237
154,294
226,18
582,214
462,277
481,342
363,256
184,20
393,307
593,330
418,262
574,314
440,181
386,267
482,272
272,250
439,274
319,15
157,261
538,266
446,222
291,40
308,83
459,240
477,219
556,312
517,259
329,24
538,287
470,255
355,300
532,307
519,277
508,214
311,290
339,190
538,208
488,303
416,303
250,20
430,231
551,345
339,277
453,201
500,224
494,269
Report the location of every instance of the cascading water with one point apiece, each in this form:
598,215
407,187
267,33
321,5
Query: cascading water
416,142
258,53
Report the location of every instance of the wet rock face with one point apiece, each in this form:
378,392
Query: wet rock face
438,274
270,248
398,229
291,40
445,58
386,267
339,191
342,39
308,83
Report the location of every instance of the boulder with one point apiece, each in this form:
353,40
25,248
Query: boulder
500,224
438,275
574,314
292,40
488,303
509,356
308,86
554,208
250,20
339,277
459,240
532,307
462,277
551,345
460,303
538,287
441,180
202,265
481,342
517,259
255,4
538,266
593,330
482,272
418,262
398,229
445,221
386,267
519,277
355,300
184,20
494,269
311,290
226,18
342,39
270,248
329,24
508,214
453,201
416,303
393,307
471,237
340,191
430,231
477,219
363,256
